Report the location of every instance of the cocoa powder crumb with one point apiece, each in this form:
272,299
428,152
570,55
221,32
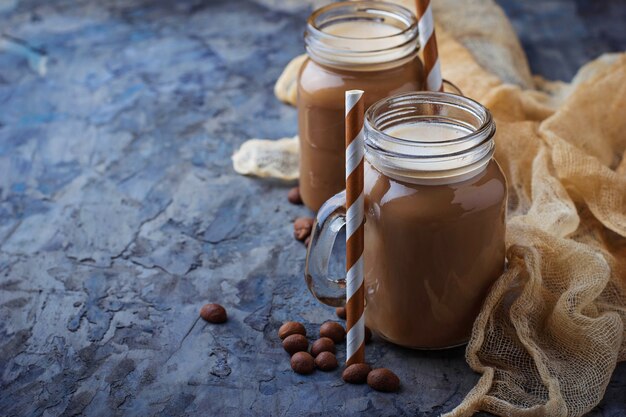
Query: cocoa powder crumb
213,313
323,344
291,327
302,227
384,380
302,363
295,343
356,373
333,330
294,196
326,361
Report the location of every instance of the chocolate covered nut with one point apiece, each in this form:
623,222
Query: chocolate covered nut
326,361
213,313
341,312
291,327
295,343
294,196
323,344
333,330
302,228
382,379
356,373
302,363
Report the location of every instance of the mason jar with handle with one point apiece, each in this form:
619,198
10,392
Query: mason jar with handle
351,45
435,204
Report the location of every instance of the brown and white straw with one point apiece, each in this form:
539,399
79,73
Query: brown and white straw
428,40
355,215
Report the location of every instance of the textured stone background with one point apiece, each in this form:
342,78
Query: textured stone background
120,214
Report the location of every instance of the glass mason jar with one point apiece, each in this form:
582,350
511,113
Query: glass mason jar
435,204
365,45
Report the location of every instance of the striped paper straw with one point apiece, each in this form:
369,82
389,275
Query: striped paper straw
355,291
428,40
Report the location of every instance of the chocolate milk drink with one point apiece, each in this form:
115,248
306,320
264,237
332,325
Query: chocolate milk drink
370,46
435,202
442,243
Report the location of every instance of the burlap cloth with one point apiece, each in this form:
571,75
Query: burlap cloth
552,328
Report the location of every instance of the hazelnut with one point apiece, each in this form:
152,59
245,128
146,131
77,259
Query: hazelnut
294,196
213,313
356,373
323,344
302,228
341,312
295,343
326,361
382,379
291,327
302,363
333,330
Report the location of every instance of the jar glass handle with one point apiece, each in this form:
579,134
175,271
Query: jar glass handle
451,87
327,282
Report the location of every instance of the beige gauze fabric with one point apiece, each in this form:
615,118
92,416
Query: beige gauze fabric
553,326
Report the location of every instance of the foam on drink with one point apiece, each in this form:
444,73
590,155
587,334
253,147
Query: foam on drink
427,132
361,29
